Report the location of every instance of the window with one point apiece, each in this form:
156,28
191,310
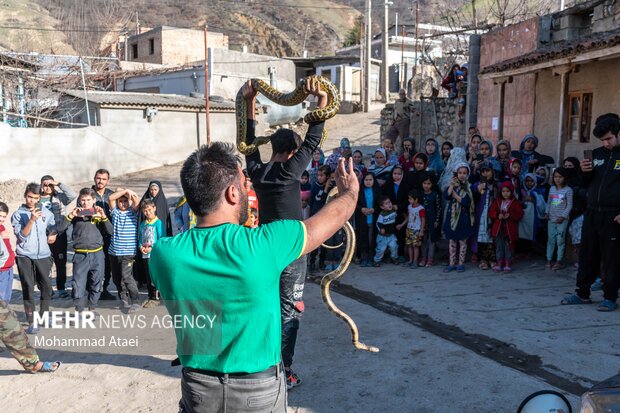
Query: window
134,51
579,116
151,46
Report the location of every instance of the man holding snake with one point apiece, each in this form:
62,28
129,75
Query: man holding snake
277,185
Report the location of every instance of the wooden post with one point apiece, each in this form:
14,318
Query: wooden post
564,73
501,81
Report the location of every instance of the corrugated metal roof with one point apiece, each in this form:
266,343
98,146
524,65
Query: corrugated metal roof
149,99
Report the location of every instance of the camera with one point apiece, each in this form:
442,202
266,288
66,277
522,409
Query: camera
89,212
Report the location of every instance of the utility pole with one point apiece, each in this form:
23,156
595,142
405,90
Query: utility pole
362,65
208,126
385,90
415,62
137,24
368,55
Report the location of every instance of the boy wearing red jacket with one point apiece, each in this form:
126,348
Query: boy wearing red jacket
6,270
506,212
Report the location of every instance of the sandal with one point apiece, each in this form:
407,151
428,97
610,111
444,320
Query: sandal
549,265
429,263
474,258
483,265
575,299
449,268
497,268
558,266
607,306
47,367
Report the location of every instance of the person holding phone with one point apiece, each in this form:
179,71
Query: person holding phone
600,237
90,228
35,229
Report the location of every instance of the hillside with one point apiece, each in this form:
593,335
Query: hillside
273,27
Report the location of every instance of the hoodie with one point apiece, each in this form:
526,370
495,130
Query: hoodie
603,182
34,245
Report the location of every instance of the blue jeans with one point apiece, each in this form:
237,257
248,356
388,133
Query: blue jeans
556,236
6,285
384,242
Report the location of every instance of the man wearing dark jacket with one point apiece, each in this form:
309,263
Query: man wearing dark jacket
600,237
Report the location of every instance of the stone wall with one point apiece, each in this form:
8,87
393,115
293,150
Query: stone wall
430,118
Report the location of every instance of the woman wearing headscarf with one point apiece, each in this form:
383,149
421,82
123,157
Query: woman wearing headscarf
318,159
418,174
380,169
446,149
343,151
432,150
406,157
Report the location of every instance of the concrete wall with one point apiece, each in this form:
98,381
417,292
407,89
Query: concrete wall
125,142
594,77
504,44
173,46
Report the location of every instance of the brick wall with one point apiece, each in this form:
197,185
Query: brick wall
519,100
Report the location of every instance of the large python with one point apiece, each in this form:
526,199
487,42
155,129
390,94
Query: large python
327,279
290,99
293,98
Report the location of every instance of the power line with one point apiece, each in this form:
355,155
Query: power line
296,6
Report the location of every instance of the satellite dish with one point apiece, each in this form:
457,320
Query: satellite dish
545,401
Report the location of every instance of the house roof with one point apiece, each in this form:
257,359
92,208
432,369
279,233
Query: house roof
568,49
125,99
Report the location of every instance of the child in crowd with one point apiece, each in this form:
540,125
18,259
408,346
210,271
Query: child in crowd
396,189
506,212
365,216
458,225
358,162
318,159
557,213
90,225
542,187
390,154
124,206
435,163
416,222
533,211
446,149
35,228
431,201
406,157
386,226
514,177
473,147
150,231
184,217
414,177
318,196
252,221
503,158
6,269
55,196
486,189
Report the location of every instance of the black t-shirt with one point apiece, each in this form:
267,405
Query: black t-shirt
277,184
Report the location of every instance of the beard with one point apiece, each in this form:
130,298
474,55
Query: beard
243,207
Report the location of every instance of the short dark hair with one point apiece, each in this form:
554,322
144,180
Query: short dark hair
415,194
33,188
325,169
206,174
285,141
383,199
147,202
561,171
609,122
4,207
47,178
305,173
102,171
87,192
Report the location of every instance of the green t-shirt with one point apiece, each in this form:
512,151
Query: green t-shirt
233,273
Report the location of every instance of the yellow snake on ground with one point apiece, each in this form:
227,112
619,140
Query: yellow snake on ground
293,98
290,99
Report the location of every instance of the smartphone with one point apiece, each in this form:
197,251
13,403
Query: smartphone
38,205
86,212
480,157
587,154
455,174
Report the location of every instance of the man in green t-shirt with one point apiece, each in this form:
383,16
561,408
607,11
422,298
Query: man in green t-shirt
220,281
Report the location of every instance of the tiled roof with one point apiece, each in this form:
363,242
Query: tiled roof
149,99
568,49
